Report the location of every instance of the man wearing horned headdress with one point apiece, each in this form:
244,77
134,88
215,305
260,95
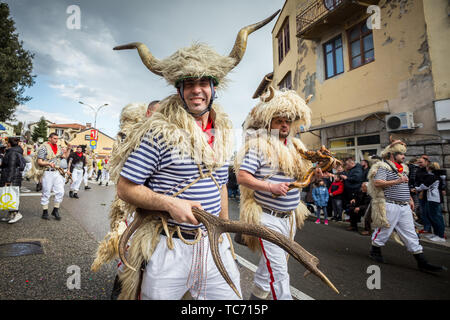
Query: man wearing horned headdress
176,160
267,164
392,205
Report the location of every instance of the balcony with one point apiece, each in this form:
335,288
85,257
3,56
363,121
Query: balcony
318,16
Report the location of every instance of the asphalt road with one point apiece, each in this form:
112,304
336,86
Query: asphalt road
344,259
343,256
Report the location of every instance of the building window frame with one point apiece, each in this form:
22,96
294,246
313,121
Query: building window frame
286,82
333,51
363,33
357,148
284,41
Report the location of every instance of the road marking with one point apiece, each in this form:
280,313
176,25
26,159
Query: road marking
295,292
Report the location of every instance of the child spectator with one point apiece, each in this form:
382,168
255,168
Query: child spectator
336,191
320,196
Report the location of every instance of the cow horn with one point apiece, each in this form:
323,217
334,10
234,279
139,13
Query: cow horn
240,44
146,56
270,96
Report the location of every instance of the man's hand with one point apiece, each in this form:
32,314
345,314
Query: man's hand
344,177
279,189
52,164
352,201
356,210
411,204
181,210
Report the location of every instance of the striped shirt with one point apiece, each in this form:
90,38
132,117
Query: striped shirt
256,165
160,168
397,192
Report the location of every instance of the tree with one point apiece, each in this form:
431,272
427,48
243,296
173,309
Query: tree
15,67
18,128
40,131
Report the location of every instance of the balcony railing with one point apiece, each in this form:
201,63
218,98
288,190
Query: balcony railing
316,16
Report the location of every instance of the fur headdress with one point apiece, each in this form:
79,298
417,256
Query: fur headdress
280,103
396,146
280,157
199,60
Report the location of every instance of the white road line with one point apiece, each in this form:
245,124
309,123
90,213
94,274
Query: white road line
295,292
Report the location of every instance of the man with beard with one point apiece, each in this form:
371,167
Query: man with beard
392,205
266,165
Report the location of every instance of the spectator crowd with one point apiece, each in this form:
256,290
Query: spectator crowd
342,195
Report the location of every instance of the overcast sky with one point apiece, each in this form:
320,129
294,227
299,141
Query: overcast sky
73,65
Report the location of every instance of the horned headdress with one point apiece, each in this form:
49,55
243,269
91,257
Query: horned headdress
280,103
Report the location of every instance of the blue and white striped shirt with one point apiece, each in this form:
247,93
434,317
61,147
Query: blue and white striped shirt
161,169
256,165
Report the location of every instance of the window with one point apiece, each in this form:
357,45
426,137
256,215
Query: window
87,137
360,43
334,60
331,4
286,82
359,148
283,38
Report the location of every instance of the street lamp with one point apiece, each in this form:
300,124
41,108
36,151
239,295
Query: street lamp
95,110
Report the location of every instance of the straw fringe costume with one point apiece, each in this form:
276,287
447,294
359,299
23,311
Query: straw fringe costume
282,158
178,130
390,207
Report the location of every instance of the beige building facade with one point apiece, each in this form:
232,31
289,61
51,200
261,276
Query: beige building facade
361,77
104,143
375,68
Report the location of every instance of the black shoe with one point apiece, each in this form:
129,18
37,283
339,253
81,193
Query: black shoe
423,264
71,194
100,184
87,188
75,195
45,214
38,187
106,184
55,213
375,254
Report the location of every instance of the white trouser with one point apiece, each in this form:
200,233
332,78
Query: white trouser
26,169
86,176
272,273
105,176
52,181
171,273
400,218
77,178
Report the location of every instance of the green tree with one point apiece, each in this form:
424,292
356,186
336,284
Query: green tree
15,67
40,131
18,128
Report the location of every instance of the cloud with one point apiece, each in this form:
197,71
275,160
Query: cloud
27,115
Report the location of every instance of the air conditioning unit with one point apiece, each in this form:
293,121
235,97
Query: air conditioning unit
399,122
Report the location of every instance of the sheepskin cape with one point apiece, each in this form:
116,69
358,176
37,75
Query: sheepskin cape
378,203
180,132
281,157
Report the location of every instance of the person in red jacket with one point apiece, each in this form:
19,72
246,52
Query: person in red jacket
336,192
